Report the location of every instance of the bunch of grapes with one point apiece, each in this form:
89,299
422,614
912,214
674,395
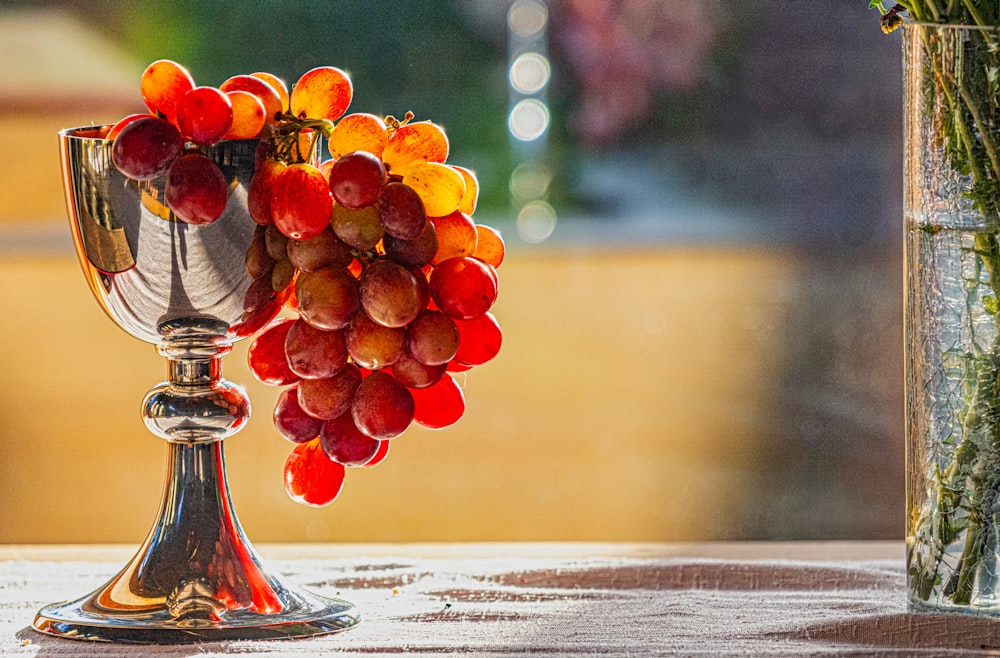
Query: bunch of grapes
372,284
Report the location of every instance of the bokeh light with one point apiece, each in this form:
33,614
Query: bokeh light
526,18
528,120
536,221
529,73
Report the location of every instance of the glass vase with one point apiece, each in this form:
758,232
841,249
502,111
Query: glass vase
952,268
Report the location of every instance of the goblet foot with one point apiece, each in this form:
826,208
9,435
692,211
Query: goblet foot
303,614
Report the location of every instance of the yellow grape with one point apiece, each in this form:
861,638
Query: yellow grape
413,144
248,115
358,132
440,187
471,196
324,92
278,84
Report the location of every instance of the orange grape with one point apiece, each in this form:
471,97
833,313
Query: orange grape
162,85
440,187
248,115
278,84
415,143
489,245
324,92
471,196
262,90
456,236
358,132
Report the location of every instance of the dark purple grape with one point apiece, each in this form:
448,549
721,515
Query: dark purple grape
390,294
146,148
432,338
413,253
382,408
327,298
196,189
291,421
357,179
345,444
401,211
314,353
372,345
328,398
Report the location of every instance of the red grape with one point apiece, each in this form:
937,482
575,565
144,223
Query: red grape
382,408
463,287
312,478
300,201
117,127
256,317
291,421
314,353
345,444
146,147
390,294
196,189
401,211
328,398
480,339
259,190
204,115
372,345
357,179
327,298
439,405
266,356
380,455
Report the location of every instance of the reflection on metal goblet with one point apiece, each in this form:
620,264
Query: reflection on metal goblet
181,288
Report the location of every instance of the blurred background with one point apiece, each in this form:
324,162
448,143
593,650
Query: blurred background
702,296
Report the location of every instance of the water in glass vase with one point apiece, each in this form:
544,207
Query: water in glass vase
953,417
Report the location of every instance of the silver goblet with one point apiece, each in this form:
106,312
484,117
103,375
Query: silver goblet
181,288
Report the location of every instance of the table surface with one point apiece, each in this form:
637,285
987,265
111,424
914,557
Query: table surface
739,598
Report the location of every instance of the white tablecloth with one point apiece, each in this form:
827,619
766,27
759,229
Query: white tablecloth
493,601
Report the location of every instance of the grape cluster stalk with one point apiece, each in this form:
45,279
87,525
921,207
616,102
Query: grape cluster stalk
372,284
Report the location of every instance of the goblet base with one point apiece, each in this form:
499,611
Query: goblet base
305,615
